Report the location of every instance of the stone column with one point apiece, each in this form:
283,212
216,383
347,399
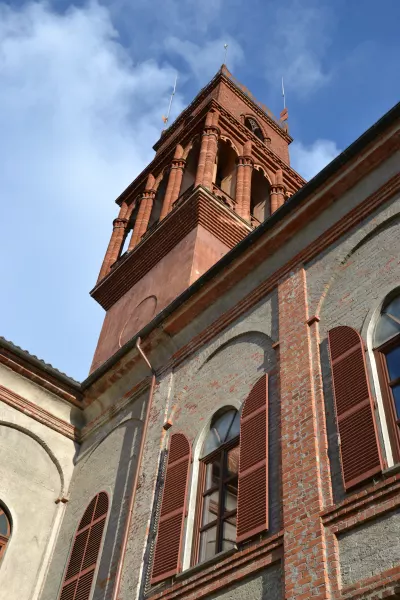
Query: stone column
143,217
208,151
179,166
304,449
117,237
277,192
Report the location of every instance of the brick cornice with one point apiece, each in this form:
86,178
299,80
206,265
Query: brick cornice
39,414
40,377
226,572
200,208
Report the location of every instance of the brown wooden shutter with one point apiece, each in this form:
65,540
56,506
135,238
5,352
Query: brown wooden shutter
85,551
359,445
252,515
173,510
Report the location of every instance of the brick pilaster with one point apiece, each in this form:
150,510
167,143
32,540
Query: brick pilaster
305,567
143,217
277,192
116,240
208,151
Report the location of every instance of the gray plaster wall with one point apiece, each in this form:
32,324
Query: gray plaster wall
36,467
106,462
370,549
267,585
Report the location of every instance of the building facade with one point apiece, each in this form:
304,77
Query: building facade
238,434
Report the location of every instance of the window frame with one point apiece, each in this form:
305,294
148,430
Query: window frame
4,539
386,384
202,493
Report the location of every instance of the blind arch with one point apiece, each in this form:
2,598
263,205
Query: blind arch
82,562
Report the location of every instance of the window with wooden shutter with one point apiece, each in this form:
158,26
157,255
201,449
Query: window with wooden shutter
82,561
359,447
252,515
167,556
5,531
387,353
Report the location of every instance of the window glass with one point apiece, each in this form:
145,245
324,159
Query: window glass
229,533
210,508
231,492
232,462
225,427
396,398
213,473
393,363
208,544
3,524
389,323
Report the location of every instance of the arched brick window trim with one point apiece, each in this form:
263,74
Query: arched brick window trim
82,561
167,556
5,531
359,446
252,511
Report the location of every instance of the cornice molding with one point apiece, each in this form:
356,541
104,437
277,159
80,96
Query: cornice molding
200,208
226,572
39,414
40,377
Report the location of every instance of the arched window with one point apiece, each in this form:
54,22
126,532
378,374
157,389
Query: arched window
82,562
260,196
5,531
387,353
254,127
218,487
225,168
158,200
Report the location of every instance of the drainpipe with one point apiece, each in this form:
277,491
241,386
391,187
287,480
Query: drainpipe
132,497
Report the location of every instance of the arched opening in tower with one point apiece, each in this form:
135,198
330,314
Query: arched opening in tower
158,200
225,169
260,196
192,161
129,227
254,127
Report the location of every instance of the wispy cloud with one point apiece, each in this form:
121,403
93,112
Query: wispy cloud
296,49
77,119
309,160
204,60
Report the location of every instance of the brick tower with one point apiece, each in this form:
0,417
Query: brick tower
219,170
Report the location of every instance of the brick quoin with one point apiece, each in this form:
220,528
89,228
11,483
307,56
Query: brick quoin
305,562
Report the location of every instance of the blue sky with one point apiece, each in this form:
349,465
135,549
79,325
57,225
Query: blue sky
82,90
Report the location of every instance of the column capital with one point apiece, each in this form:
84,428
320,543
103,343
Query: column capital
245,161
118,222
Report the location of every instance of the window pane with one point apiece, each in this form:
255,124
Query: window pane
232,462
385,329
231,492
213,473
3,524
210,508
208,544
211,443
396,397
393,363
235,427
393,308
229,533
223,424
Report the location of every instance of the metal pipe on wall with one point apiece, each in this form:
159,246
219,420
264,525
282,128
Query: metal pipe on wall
132,496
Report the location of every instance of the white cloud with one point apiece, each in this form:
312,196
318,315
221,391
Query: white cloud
309,160
297,46
204,61
77,119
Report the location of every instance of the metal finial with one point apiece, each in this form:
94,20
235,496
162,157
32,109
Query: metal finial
165,119
225,53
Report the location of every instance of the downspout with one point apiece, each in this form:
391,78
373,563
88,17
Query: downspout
132,497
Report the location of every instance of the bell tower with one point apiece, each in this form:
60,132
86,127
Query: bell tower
219,171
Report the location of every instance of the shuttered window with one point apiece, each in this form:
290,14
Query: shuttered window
167,556
252,515
359,447
5,531
82,562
